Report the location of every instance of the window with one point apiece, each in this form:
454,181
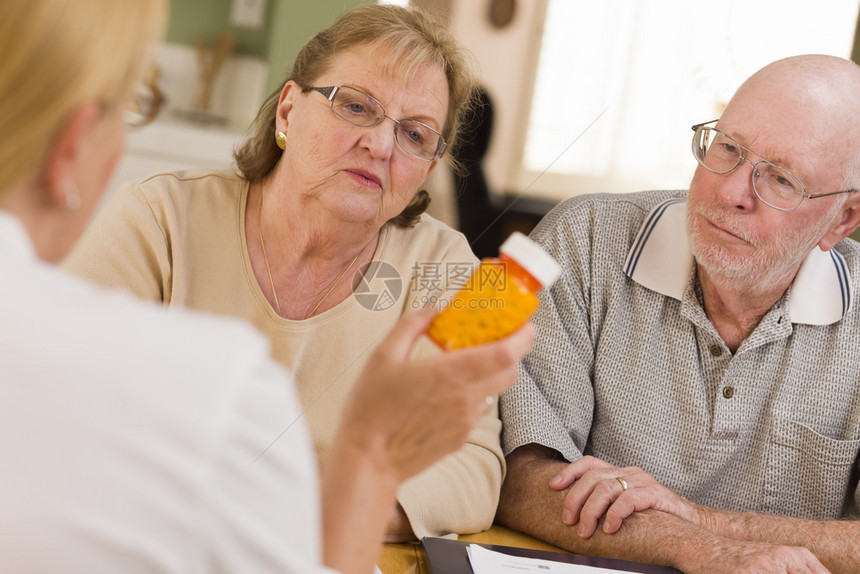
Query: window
619,83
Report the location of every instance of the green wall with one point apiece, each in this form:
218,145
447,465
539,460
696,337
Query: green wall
287,26
190,19
294,23
855,53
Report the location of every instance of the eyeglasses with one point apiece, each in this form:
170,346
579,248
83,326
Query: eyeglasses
360,109
144,105
773,185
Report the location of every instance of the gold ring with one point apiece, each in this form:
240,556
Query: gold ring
623,482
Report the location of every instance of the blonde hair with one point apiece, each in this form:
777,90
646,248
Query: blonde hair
412,38
58,54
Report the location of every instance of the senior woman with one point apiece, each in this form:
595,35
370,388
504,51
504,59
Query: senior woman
138,440
319,239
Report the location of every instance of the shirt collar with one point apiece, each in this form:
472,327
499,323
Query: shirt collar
660,260
14,239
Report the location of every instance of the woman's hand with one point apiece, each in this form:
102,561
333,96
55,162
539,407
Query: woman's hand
600,490
401,417
405,415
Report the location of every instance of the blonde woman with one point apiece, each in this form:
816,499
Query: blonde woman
135,440
320,240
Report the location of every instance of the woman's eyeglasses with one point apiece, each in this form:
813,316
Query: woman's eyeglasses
360,109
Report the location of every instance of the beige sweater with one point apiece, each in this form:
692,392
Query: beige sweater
180,238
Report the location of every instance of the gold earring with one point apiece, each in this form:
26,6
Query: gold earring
281,140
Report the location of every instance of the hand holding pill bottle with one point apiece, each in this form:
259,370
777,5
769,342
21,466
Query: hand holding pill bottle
498,299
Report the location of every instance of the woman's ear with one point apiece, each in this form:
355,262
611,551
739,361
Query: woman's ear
288,97
432,167
64,157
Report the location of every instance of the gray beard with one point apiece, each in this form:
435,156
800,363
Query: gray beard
771,265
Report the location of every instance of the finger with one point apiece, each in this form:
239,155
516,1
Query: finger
492,386
584,486
574,471
602,496
518,343
576,498
475,363
509,350
626,504
399,342
469,403
814,565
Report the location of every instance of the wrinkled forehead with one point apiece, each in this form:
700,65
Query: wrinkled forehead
809,98
805,128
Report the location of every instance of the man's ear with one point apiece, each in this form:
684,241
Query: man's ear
64,156
848,221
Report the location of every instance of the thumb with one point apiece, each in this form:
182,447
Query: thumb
408,329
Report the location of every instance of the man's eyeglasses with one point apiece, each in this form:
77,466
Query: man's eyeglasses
360,109
773,185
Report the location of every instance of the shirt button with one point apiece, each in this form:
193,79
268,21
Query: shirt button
728,392
716,350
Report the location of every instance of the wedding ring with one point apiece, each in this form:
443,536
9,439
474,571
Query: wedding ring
622,481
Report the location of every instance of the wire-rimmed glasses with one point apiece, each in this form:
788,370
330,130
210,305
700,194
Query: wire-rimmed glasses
773,185
144,105
360,109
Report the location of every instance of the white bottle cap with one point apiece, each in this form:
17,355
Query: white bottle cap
531,257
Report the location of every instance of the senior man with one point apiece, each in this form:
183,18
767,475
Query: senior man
696,374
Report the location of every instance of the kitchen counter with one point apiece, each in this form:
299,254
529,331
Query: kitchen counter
171,145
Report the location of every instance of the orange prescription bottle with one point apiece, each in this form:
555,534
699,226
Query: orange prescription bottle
498,299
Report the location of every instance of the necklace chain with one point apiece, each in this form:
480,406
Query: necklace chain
269,270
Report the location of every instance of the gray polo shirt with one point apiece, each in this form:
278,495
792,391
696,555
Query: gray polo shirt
626,367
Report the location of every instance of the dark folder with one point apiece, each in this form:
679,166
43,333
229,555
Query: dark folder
444,556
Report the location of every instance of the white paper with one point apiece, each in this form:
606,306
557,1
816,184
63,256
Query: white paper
485,561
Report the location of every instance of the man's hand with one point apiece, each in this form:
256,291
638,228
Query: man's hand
600,490
596,492
741,557
719,542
